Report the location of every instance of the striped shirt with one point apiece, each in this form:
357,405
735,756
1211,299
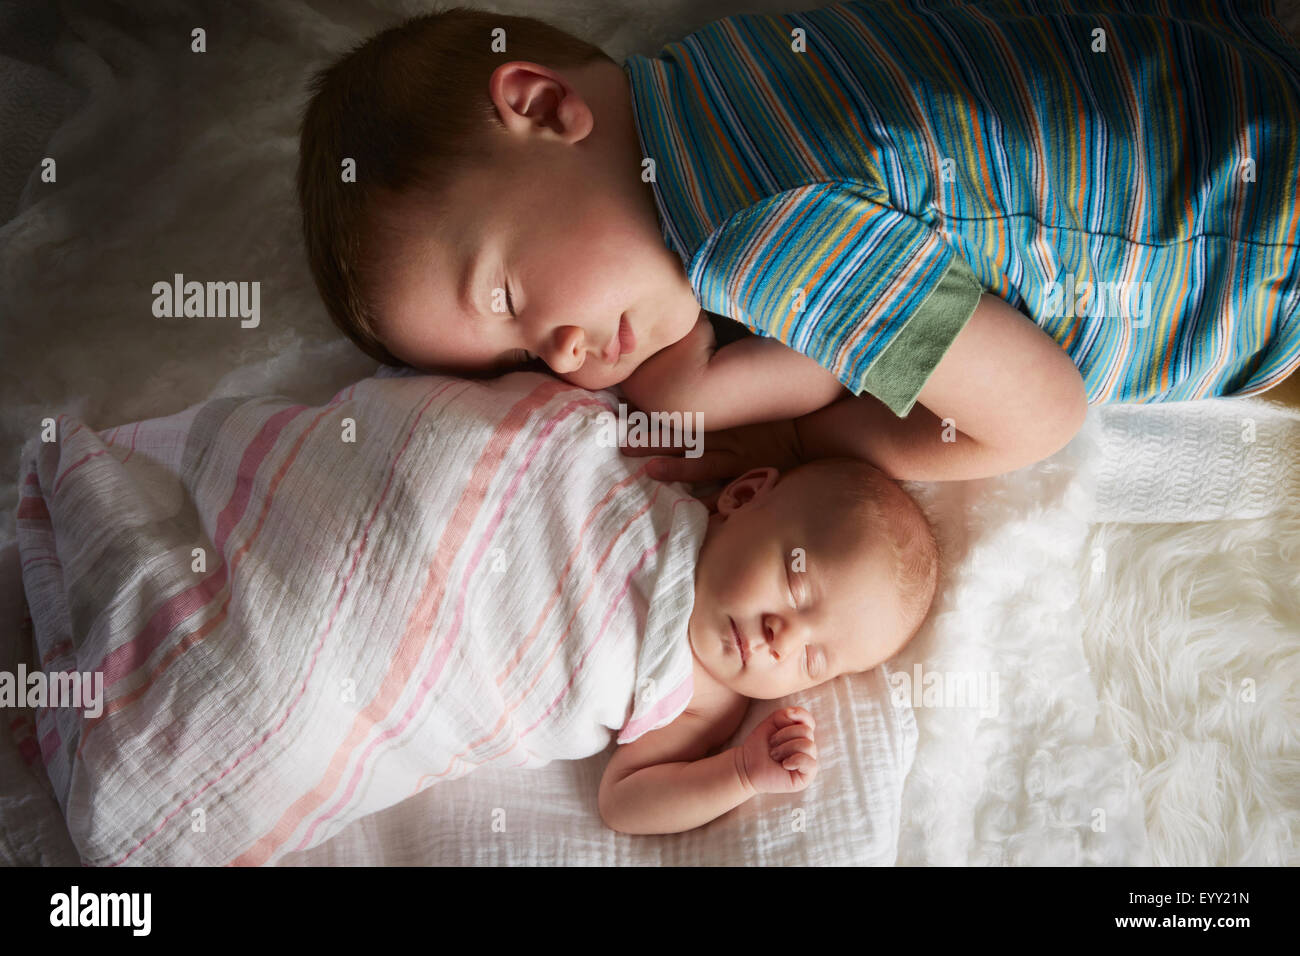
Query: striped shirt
850,180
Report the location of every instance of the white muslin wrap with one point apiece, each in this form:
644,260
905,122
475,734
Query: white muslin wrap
303,615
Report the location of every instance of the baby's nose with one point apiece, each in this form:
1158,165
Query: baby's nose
779,635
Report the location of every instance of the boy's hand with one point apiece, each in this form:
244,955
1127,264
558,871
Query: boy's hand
746,381
779,756
654,384
728,453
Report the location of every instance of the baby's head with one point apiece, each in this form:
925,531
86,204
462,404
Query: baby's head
828,569
472,202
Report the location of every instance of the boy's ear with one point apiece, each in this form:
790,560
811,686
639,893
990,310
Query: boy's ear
532,100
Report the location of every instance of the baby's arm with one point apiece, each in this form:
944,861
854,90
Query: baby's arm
664,782
754,379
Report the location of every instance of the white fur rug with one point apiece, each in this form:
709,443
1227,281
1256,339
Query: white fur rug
1138,607
1016,781
1138,598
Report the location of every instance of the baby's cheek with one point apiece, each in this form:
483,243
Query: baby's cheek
729,582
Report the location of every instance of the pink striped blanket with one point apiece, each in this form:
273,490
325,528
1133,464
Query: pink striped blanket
304,615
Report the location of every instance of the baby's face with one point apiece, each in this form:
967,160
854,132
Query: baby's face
552,248
787,596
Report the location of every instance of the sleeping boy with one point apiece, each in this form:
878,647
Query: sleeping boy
948,230
827,569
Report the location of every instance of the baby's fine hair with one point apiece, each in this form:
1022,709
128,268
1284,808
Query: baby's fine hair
863,500
409,108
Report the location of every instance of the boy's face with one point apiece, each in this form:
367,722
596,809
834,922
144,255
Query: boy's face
765,629
552,247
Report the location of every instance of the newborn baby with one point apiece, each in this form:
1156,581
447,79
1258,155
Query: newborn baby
479,580
826,570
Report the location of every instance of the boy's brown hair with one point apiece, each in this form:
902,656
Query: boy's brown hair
410,107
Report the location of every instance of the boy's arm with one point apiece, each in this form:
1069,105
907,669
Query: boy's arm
1012,395
663,782
1004,395
753,379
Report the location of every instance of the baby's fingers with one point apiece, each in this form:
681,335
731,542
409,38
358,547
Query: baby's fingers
791,748
799,763
789,716
792,732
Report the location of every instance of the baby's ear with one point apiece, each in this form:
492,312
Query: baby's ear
743,490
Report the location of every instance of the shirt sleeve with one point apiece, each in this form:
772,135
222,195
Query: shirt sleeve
870,293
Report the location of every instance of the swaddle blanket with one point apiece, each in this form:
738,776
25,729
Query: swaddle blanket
304,615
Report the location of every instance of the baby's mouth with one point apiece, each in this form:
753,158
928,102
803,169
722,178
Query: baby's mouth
740,643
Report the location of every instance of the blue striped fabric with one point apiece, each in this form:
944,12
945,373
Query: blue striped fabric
849,180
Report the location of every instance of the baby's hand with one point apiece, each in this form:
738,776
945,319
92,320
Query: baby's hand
779,755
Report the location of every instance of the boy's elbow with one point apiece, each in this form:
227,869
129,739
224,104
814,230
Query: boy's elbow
1069,410
1055,419
654,389
666,394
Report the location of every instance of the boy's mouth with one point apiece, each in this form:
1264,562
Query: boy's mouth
621,342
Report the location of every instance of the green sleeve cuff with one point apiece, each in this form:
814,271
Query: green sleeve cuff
902,369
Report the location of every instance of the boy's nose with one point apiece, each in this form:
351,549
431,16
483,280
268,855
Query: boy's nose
565,354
